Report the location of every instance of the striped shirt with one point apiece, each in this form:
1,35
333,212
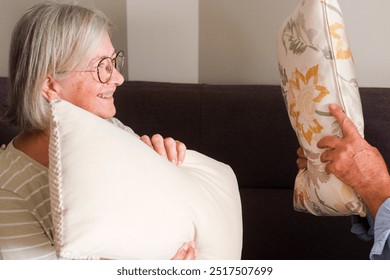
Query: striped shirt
26,228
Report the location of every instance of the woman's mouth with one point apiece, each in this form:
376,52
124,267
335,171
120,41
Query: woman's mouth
105,95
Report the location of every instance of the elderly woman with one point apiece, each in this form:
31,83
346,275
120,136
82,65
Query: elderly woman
57,51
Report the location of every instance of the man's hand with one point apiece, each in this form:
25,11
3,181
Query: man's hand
302,160
355,162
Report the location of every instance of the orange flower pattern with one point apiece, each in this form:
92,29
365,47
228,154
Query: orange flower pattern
341,51
304,92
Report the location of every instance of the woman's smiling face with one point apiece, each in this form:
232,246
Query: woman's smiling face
84,89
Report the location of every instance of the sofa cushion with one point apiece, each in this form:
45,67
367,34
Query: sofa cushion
317,69
294,235
114,197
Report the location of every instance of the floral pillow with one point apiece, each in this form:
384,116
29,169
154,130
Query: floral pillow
317,69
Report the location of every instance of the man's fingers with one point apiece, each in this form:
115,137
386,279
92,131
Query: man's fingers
347,125
328,142
327,156
300,153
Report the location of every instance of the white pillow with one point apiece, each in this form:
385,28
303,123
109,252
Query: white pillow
316,69
114,197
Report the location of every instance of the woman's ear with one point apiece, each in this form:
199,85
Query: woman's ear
50,89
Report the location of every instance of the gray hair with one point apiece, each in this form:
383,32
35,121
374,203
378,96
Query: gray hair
51,38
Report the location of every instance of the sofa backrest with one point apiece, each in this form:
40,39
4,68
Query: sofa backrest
245,126
6,132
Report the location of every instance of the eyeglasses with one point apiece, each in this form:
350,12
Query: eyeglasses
106,66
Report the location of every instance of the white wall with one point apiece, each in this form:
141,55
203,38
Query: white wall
11,11
367,24
237,40
220,41
163,40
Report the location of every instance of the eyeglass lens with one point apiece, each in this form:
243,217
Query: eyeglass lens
106,66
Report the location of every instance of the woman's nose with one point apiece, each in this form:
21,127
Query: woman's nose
117,77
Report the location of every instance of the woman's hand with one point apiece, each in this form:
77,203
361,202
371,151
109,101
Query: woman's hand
173,150
186,252
302,160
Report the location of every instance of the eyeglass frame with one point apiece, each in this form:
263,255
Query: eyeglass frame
120,53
